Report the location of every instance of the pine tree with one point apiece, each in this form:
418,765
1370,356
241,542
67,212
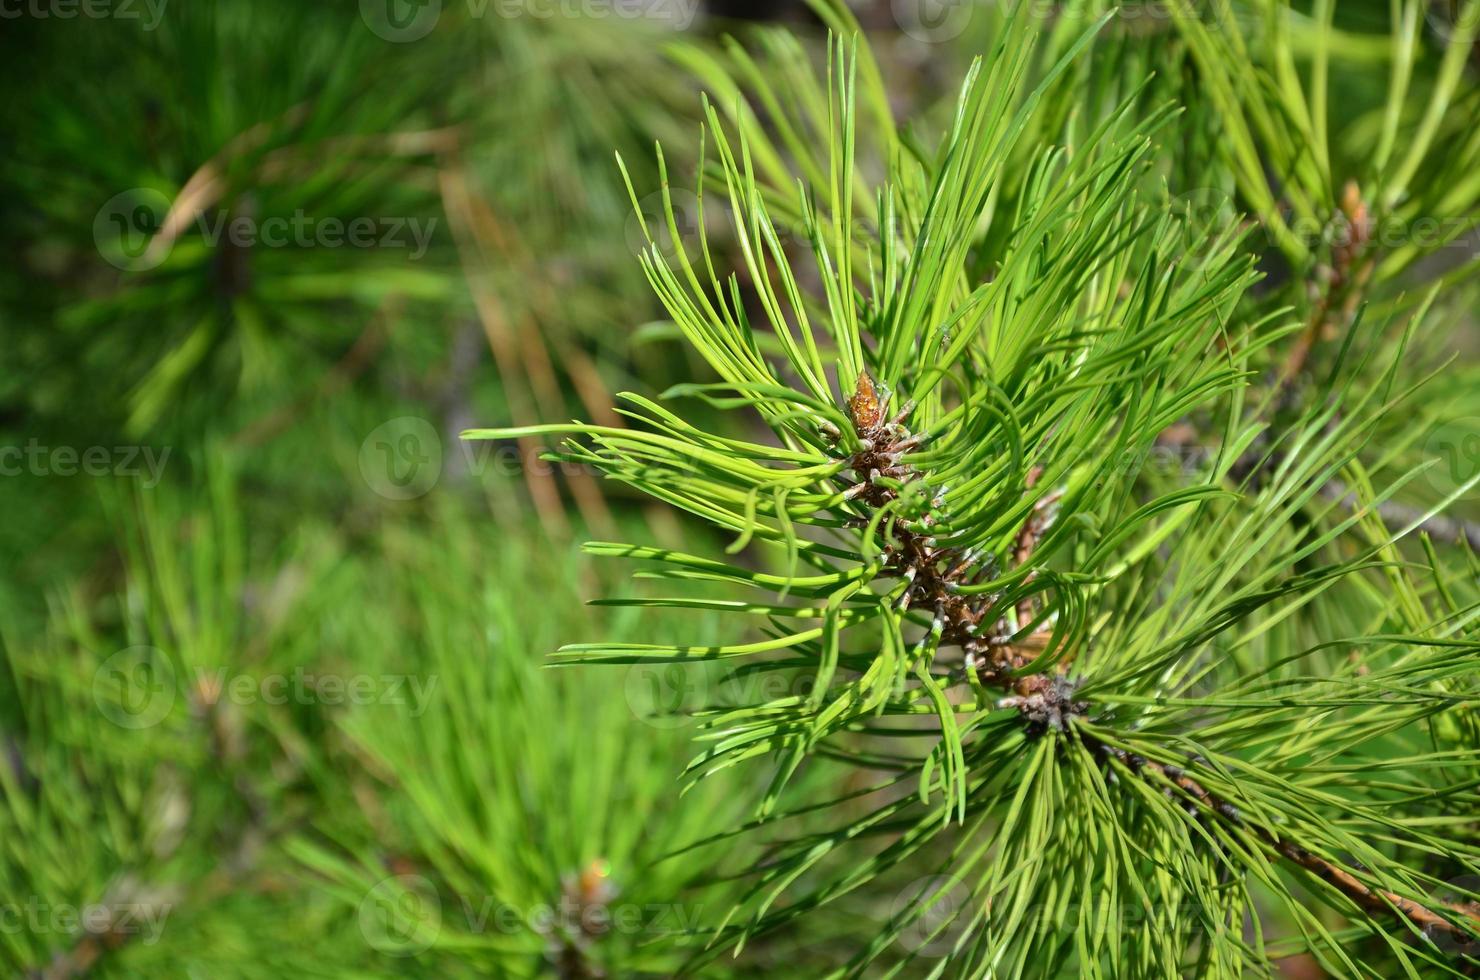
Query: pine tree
1102,717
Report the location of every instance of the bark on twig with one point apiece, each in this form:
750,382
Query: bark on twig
1370,899
1344,282
933,575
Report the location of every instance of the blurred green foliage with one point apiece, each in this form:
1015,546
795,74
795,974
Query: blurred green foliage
273,694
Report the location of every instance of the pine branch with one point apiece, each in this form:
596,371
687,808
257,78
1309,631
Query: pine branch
1187,444
1045,700
1375,901
1440,527
1036,332
934,574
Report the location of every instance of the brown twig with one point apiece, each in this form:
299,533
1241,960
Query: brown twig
1027,542
934,574
1345,280
1185,442
1367,897
1047,700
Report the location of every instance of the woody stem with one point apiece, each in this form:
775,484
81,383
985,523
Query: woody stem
1368,898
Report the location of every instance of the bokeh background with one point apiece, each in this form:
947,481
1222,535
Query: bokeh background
271,692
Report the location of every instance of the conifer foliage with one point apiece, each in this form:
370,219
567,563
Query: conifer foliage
1109,720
